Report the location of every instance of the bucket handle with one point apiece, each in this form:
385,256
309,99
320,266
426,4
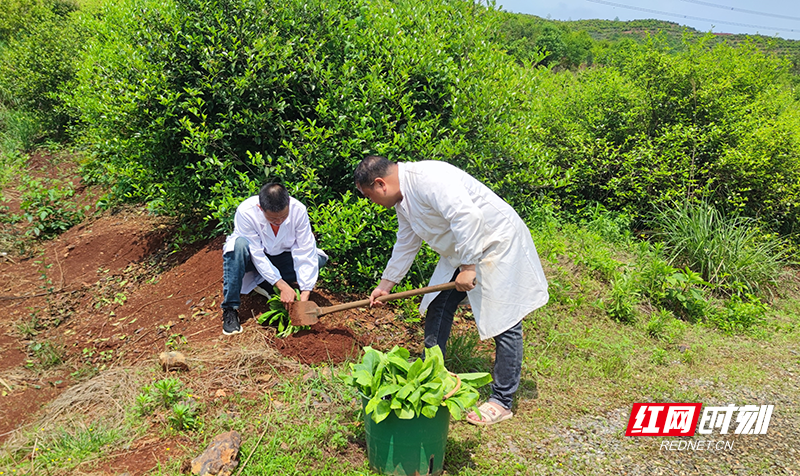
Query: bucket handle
455,389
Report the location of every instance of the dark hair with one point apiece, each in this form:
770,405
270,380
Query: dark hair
273,197
372,167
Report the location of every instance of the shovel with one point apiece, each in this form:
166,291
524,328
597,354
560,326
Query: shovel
306,313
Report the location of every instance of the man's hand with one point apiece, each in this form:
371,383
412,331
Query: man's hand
288,295
465,281
304,295
382,290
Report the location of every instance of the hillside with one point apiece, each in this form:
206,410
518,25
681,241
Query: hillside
85,316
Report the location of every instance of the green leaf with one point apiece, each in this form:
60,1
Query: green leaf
455,410
387,390
381,411
405,391
363,378
399,362
415,369
397,403
430,410
399,352
371,405
475,379
406,413
414,398
433,397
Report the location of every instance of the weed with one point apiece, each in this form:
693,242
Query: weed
688,356
659,357
70,447
174,341
47,207
464,355
623,299
46,353
740,315
145,402
684,294
658,323
167,391
120,298
596,255
278,315
183,417
727,251
28,328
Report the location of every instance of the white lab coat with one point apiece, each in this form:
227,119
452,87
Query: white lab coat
294,235
466,223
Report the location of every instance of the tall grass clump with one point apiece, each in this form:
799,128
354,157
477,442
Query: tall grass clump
731,252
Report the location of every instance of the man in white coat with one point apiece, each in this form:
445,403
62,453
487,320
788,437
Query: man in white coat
484,247
272,241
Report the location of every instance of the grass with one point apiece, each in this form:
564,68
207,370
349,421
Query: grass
731,252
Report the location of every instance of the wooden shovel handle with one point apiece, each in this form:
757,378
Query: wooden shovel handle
455,389
389,297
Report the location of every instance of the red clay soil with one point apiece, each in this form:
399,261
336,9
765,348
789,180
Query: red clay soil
320,344
145,455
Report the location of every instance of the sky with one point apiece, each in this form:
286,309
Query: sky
766,17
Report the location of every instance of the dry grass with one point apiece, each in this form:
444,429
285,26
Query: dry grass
109,395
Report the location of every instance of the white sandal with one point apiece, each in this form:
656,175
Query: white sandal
490,414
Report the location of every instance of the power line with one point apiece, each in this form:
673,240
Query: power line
677,15
752,12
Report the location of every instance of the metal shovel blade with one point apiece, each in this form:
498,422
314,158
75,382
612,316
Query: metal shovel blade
304,313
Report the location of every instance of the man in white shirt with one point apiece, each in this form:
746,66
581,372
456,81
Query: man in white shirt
272,241
484,247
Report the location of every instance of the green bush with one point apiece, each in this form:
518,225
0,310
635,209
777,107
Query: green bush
38,61
654,126
740,314
184,102
358,236
46,206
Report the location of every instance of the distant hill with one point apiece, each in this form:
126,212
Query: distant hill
569,41
614,30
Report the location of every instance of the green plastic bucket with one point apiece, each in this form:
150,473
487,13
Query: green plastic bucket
407,447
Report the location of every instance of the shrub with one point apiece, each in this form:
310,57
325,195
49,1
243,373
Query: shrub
38,60
654,126
358,236
740,314
47,207
178,98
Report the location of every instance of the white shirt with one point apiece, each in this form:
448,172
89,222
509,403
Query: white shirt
294,235
466,223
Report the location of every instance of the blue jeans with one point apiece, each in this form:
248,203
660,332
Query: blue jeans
238,262
508,345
